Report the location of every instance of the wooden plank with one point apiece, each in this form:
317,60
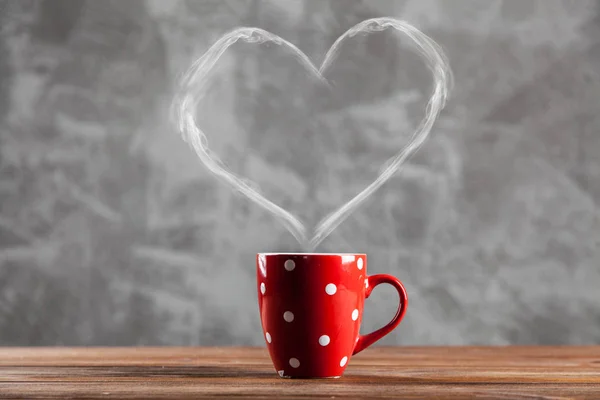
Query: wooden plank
234,372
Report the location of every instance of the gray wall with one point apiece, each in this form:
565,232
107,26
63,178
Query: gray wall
113,233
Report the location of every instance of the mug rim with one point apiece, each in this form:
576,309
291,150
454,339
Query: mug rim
311,254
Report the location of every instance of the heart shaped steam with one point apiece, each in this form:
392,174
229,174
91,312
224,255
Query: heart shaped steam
192,88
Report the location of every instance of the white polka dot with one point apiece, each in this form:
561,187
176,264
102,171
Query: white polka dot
366,283
359,263
280,372
288,316
324,340
268,336
263,288
354,315
343,361
289,265
294,362
330,289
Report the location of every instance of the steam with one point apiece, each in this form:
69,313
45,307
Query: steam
192,90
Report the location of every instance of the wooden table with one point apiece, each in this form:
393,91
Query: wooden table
380,372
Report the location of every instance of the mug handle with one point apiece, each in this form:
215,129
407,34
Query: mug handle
365,341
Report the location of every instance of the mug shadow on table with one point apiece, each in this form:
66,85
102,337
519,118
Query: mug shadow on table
251,373
204,371
234,371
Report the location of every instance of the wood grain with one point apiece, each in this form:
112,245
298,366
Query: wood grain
381,372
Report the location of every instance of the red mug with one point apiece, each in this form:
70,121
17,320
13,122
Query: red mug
311,308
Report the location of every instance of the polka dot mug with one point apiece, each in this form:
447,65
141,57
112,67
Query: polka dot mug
311,308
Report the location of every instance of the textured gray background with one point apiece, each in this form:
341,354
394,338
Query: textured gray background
113,233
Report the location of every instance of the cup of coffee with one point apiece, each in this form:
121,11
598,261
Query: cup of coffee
311,308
